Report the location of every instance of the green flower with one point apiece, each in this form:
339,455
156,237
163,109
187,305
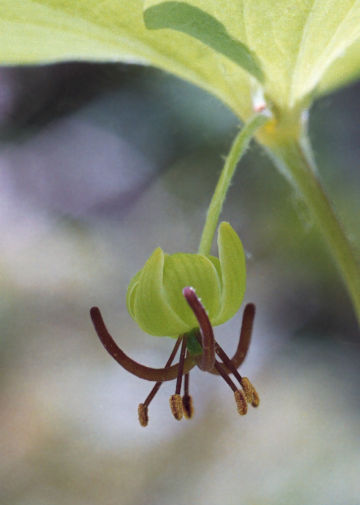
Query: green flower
155,294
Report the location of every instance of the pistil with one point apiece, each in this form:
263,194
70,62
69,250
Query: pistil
207,359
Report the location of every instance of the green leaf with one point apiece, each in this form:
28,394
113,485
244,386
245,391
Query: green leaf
304,48
233,272
42,31
329,29
296,43
344,69
199,24
35,31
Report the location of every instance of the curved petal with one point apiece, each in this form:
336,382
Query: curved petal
130,295
233,272
215,261
152,311
193,270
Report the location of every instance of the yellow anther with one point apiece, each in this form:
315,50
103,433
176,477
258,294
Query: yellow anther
143,414
176,406
248,389
240,402
256,399
188,408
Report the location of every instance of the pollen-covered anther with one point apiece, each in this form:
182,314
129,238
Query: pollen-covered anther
240,402
256,399
176,406
188,408
143,414
248,389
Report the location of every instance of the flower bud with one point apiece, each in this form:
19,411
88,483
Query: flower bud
154,297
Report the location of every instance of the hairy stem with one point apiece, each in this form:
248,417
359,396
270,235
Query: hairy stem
293,156
237,149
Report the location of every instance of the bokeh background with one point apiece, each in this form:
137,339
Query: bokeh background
100,164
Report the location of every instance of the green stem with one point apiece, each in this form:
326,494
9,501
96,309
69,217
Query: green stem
237,149
294,158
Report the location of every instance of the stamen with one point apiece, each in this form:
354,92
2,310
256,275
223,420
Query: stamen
207,358
187,401
176,400
244,381
240,402
238,394
143,407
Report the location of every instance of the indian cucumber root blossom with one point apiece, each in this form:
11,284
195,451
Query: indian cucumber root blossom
183,296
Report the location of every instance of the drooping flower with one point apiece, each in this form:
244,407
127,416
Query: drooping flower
184,296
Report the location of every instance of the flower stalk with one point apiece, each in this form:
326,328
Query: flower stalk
292,155
236,152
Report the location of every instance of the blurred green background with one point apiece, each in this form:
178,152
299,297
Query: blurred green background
100,164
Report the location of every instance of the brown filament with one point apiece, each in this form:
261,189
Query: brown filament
176,400
143,407
186,382
225,377
227,361
157,386
181,366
